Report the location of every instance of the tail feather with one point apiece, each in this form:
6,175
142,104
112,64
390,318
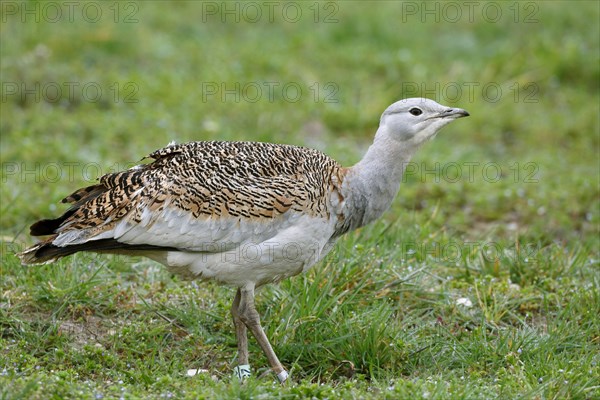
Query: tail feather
49,226
45,252
29,256
77,198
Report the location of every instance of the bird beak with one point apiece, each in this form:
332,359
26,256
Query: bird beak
454,113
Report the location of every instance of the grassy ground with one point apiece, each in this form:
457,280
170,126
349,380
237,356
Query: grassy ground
482,281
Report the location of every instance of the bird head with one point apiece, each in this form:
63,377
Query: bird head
413,121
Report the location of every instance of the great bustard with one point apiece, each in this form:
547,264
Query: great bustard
198,202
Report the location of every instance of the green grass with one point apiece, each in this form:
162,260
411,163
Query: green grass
516,232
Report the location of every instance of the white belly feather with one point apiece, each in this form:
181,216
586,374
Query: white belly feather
292,249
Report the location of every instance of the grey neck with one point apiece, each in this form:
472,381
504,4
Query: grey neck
371,185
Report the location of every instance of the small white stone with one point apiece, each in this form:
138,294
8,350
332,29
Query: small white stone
541,210
464,301
194,372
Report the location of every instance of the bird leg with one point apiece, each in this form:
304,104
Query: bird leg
242,371
247,314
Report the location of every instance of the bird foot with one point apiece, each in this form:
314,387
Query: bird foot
242,372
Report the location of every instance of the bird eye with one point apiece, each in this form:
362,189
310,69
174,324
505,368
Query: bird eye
415,111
